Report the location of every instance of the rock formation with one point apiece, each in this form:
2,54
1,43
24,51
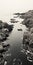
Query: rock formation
5,30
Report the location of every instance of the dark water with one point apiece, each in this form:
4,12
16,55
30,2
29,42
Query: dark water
15,41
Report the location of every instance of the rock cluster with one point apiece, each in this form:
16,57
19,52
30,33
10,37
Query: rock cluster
5,30
28,21
14,20
28,35
28,18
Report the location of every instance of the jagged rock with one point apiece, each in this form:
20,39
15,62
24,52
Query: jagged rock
28,18
9,27
5,29
26,37
13,21
6,45
31,30
16,13
6,25
2,37
1,49
4,48
31,38
28,40
19,29
6,32
28,14
1,59
28,22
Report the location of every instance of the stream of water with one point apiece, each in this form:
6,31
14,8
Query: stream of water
15,41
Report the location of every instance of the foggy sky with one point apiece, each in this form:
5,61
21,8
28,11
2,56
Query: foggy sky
8,7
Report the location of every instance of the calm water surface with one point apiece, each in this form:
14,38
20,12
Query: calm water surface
15,41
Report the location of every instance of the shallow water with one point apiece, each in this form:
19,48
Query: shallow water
15,41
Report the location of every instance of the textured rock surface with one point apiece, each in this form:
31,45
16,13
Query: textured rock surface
5,30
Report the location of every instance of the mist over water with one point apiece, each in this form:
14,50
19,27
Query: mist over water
8,7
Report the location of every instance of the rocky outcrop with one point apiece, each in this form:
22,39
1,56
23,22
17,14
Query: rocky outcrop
5,30
19,29
28,21
28,18
13,20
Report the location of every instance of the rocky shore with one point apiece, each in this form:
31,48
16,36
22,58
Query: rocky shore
28,34
5,30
